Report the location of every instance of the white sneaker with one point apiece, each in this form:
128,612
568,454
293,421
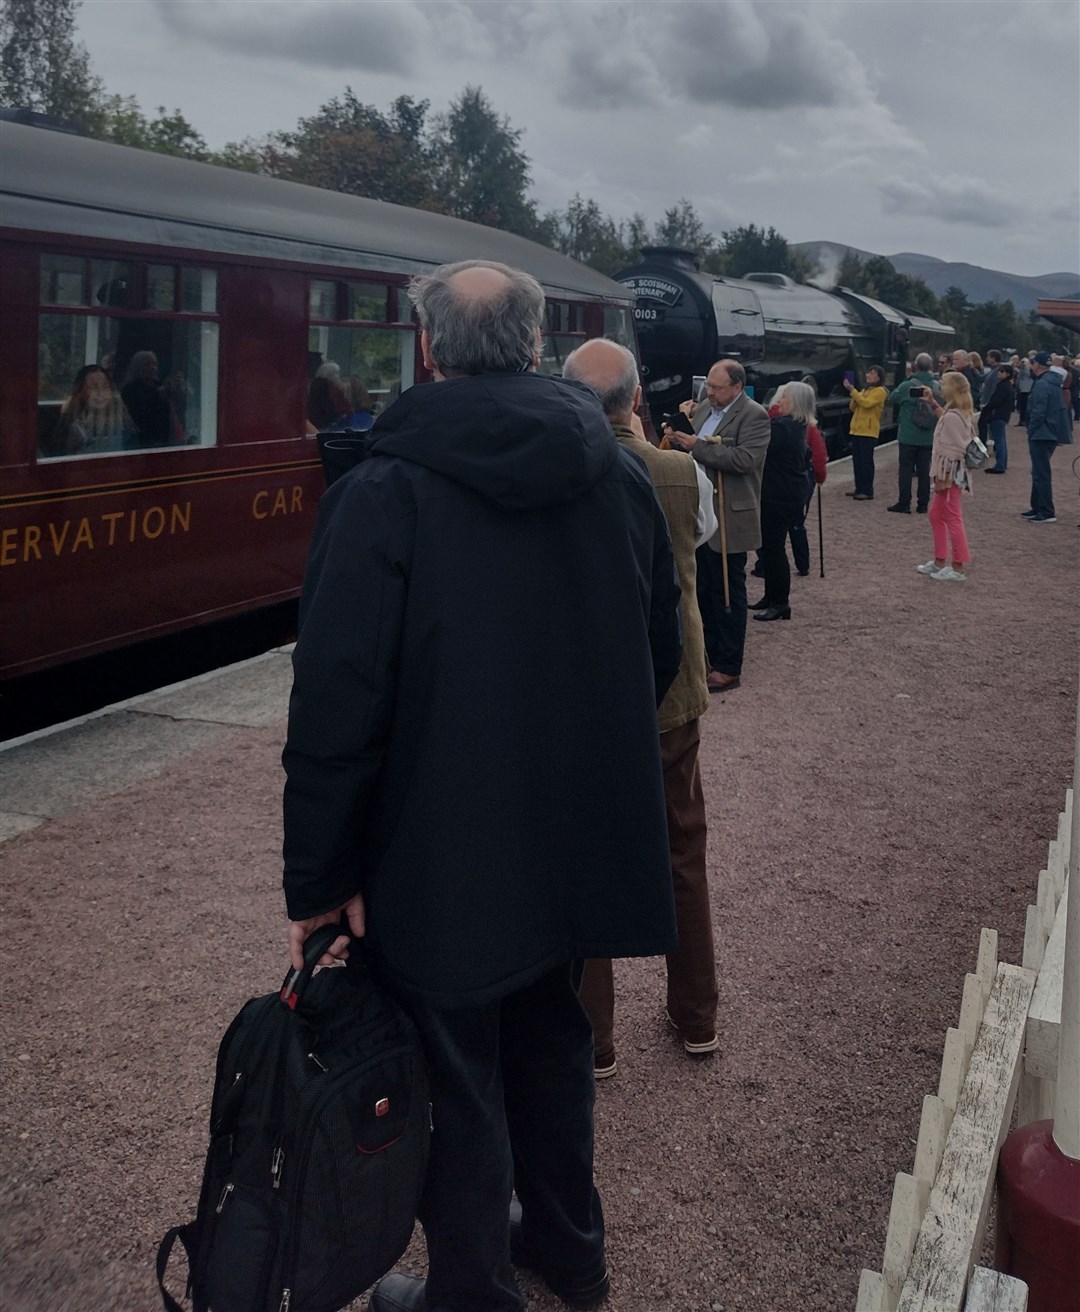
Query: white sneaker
949,574
929,568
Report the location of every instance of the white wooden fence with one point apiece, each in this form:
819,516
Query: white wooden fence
1002,1054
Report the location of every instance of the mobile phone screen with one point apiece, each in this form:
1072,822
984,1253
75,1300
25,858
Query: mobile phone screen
849,376
697,387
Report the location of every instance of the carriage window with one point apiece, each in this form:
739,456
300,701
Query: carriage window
63,280
120,369
619,326
161,287
322,300
356,372
368,300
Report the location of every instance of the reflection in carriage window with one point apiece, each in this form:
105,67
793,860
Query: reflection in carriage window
121,379
354,373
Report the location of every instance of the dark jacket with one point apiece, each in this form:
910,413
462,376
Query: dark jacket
1002,402
1047,418
489,621
783,480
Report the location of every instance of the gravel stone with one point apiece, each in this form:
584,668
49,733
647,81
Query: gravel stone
883,784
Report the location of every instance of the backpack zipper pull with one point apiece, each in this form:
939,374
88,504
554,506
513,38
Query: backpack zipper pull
224,1198
312,1057
286,1299
276,1163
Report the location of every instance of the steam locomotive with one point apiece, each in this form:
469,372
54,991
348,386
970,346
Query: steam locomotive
780,330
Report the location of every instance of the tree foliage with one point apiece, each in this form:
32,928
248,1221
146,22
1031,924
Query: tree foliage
751,249
355,148
42,67
481,171
120,120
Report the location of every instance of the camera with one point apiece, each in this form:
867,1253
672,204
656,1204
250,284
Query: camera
916,391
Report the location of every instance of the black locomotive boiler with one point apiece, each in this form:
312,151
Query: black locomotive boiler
780,330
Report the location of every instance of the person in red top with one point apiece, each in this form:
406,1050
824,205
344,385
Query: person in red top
799,402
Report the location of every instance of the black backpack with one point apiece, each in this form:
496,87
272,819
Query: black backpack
319,1131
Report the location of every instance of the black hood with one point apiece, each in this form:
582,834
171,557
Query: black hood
523,441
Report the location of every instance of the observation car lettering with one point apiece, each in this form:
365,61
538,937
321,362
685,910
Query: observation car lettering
68,536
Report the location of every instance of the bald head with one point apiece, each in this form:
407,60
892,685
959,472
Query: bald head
612,373
478,317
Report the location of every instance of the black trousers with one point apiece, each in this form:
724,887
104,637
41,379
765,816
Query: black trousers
725,632
913,461
776,522
512,1106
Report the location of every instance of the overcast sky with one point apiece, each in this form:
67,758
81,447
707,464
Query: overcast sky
946,127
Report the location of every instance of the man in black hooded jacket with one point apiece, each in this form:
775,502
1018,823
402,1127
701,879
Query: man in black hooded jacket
489,621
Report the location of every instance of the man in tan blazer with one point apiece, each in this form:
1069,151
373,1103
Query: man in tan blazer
730,439
686,498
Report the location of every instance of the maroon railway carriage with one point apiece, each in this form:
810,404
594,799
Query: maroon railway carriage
180,486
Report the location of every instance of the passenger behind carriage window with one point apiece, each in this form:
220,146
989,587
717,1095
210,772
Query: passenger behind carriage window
92,419
149,404
150,335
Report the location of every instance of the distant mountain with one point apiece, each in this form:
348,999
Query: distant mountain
977,283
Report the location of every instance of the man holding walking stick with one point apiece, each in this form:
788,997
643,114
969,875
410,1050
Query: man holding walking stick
730,439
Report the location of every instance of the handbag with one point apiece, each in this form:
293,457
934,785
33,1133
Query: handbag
976,454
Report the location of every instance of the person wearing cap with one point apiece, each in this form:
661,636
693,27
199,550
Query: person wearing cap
1047,428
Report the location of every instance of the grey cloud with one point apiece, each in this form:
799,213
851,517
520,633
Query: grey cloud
953,200
755,56
377,38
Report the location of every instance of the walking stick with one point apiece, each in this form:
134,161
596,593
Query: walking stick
820,538
723,539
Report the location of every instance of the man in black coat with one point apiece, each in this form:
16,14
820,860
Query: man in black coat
489,621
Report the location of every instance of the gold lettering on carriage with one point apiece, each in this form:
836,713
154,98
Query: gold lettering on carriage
113,528
277,501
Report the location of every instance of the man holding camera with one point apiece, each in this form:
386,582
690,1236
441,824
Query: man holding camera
914,436
730,439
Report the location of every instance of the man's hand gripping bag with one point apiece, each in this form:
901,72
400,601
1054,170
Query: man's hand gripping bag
319,1131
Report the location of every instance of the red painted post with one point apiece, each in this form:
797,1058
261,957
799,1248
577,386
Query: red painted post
1038,1237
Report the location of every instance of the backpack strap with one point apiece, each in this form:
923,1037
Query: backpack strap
186,1235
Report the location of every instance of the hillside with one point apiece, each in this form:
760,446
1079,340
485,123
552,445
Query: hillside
978,283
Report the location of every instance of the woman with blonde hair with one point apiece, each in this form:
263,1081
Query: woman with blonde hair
948,469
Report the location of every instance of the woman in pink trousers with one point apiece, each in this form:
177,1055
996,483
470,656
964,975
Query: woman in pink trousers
955,429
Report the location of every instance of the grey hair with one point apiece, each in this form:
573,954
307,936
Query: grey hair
479,334
923,362
135,364
800,399
618,398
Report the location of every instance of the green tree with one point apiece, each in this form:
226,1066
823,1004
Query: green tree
851,273
352,147
42,68
483,174
682,227
751,249
585,233
121,120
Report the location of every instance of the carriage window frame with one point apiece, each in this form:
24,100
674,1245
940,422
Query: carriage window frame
137,309
396,298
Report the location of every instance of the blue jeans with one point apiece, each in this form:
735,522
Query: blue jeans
1042,492
862,464
725,631
1001,451
512,1105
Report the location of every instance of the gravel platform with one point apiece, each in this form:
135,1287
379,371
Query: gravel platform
883,784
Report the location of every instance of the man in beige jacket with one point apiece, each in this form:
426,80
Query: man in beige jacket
686,496
730,439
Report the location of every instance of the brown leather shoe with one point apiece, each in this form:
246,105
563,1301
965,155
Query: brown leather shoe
721,682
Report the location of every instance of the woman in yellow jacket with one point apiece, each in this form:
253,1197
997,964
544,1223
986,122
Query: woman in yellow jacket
866,407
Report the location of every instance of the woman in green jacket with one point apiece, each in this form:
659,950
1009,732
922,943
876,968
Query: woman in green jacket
866,407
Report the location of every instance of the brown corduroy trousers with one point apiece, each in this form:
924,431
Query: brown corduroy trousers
691,968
